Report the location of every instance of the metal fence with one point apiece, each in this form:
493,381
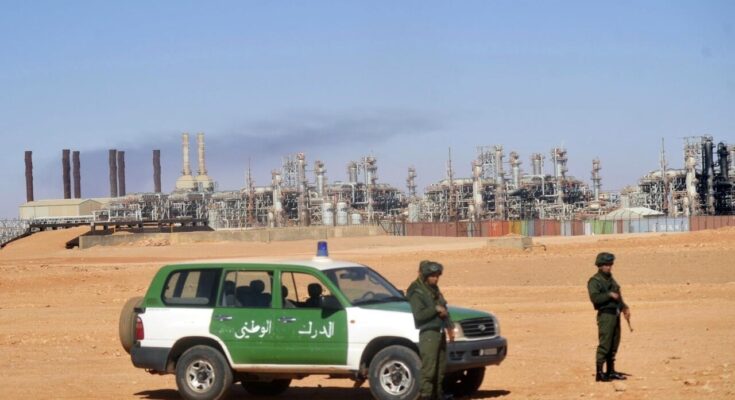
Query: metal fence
545,227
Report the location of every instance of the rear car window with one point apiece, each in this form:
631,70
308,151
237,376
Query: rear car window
192,288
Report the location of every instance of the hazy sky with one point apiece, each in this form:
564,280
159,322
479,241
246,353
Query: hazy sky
403,81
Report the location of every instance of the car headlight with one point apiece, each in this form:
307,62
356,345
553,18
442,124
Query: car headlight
458,332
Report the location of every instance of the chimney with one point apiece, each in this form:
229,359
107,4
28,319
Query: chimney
120,173
185,153
112,159
200,148
65,167
77,175
29,175
157,171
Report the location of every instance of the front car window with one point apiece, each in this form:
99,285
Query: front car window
300,290
363,286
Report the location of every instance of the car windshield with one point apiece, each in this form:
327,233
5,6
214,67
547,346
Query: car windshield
363,286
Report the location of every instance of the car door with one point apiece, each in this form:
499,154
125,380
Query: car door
308,332
243,317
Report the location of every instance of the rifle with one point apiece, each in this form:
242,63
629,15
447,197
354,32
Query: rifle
627,319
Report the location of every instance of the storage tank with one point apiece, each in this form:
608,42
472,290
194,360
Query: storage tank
341,213
355,219
327,214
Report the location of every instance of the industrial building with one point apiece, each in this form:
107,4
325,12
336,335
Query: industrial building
493,189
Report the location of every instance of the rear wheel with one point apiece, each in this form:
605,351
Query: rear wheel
126,326
202,373
272,388
465,382
394,374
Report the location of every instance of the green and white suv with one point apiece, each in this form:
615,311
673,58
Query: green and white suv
265,323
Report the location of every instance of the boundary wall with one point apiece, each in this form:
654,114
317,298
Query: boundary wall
545,227
250,235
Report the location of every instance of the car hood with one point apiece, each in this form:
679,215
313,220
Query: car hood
457,313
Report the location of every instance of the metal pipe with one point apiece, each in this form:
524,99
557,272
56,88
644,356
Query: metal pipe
157,171
65,167
29,175
121,173
112,162
76,172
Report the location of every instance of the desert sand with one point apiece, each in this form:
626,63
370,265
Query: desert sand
59,312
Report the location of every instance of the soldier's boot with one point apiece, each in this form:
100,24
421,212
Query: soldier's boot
611,373
601,376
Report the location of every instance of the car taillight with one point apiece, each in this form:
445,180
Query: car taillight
139,331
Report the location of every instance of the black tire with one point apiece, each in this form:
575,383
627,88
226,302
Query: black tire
465,382
272,388
202,373
394,374
126,327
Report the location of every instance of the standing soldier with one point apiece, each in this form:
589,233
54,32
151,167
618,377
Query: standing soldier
605,295
434,324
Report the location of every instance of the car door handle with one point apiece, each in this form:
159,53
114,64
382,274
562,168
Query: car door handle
286,320
222,318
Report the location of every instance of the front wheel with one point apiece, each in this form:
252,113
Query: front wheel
272,388
202,373
394,374
464,383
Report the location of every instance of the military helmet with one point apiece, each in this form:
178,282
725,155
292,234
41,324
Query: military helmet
604,258
427,268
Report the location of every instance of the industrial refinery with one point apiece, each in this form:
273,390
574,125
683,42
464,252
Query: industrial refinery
493,187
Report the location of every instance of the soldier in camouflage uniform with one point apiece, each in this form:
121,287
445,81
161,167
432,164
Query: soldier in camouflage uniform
435,326
605,295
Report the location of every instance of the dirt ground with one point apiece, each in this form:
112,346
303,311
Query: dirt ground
59,311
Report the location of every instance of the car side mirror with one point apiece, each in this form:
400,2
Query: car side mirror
331,303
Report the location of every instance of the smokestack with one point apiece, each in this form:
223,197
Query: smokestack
29,175
185,153
121,173
76,173
200,150
66,167
157,171
112,160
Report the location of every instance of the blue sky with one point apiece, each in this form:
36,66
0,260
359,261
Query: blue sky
403,81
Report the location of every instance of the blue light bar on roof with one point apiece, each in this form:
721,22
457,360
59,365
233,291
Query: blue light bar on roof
321,249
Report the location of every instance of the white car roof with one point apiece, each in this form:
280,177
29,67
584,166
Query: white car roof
319,263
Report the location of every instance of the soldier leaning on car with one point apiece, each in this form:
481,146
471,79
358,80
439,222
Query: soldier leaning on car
435,326
605,295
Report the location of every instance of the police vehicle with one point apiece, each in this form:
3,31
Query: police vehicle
263,324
